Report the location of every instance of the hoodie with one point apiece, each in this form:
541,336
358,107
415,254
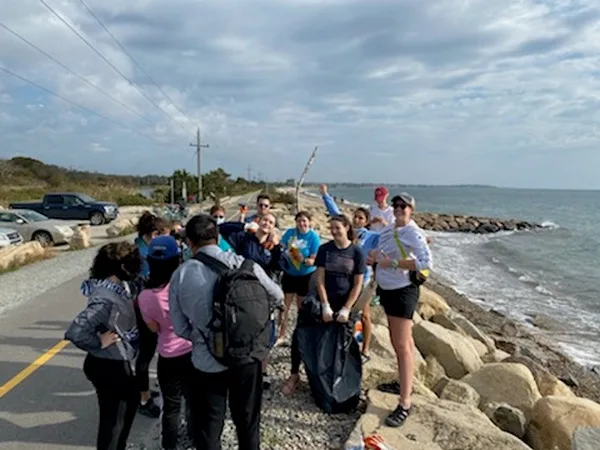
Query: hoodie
109,308
414,242
247,245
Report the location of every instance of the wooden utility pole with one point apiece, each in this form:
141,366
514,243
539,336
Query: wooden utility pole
199,146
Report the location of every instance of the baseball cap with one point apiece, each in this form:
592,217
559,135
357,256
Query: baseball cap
405,198
381,192
163,247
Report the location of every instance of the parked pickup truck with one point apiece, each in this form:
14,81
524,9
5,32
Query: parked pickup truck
72,206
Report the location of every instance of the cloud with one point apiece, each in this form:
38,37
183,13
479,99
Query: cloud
450,91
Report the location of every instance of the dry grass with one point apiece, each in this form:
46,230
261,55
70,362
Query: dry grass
48,253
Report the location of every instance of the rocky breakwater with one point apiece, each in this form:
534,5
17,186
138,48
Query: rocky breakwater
470,224
468,394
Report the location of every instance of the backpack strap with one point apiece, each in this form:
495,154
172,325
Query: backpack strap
219,267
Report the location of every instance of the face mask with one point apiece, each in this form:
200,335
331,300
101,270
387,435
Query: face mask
220,220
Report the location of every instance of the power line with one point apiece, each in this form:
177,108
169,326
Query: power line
124,50
95,50
68,69
84,108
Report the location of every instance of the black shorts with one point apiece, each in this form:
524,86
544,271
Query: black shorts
399,302
296,285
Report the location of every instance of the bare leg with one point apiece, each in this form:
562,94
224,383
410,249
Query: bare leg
402,340
283,318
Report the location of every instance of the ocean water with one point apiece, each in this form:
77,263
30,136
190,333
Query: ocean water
553,272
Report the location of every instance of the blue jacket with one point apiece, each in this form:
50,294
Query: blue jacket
246,244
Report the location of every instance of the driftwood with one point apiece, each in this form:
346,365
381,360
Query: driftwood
301,179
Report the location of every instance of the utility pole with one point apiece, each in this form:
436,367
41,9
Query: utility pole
199,146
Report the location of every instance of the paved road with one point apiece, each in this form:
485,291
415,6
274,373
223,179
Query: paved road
52,406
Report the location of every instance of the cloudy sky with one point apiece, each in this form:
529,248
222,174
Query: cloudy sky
502,92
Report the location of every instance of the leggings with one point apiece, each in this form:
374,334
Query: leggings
148,342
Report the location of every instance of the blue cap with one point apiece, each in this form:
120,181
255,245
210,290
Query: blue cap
163,247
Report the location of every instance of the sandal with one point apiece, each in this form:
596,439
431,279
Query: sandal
397,417
290,385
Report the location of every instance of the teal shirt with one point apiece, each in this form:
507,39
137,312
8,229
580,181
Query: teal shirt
306,244
224,245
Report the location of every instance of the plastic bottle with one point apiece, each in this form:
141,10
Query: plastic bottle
358,331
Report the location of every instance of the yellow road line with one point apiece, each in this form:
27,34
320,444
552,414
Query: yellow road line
27,371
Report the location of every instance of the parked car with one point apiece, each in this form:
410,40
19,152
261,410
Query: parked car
72,206
33,226
9,237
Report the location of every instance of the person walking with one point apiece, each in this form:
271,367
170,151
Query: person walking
107,331
191,300
174,367
403,260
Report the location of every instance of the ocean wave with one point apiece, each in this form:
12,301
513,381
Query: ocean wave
549,225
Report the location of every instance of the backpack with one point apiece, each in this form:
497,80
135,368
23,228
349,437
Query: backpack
240,327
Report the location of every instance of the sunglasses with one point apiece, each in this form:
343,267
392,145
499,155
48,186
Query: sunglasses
218,217
400,206
264,205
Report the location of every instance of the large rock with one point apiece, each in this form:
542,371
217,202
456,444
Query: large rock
471,330
118,227
435,424
586,439
431,304
457,391
554,420
454,351
431,372
81,239
510,383
507,418
14,256
547,383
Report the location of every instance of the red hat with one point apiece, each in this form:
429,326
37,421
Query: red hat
381,192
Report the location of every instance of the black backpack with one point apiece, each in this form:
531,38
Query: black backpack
240,325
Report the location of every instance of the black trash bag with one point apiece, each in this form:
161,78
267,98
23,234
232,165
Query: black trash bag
331,358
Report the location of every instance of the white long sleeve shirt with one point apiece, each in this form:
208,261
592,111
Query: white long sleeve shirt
386,214
415,245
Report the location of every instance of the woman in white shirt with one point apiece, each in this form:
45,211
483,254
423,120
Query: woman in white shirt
381,213
402,258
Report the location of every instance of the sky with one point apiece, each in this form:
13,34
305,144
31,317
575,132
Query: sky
394,91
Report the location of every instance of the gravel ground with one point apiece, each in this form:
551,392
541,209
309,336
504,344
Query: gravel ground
35,279
287,423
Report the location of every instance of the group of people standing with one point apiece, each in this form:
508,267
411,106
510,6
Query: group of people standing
158,294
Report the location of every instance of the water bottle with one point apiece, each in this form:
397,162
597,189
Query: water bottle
219,340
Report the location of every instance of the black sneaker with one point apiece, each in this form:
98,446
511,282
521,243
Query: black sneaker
154,394
150,409
390,388
397,417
